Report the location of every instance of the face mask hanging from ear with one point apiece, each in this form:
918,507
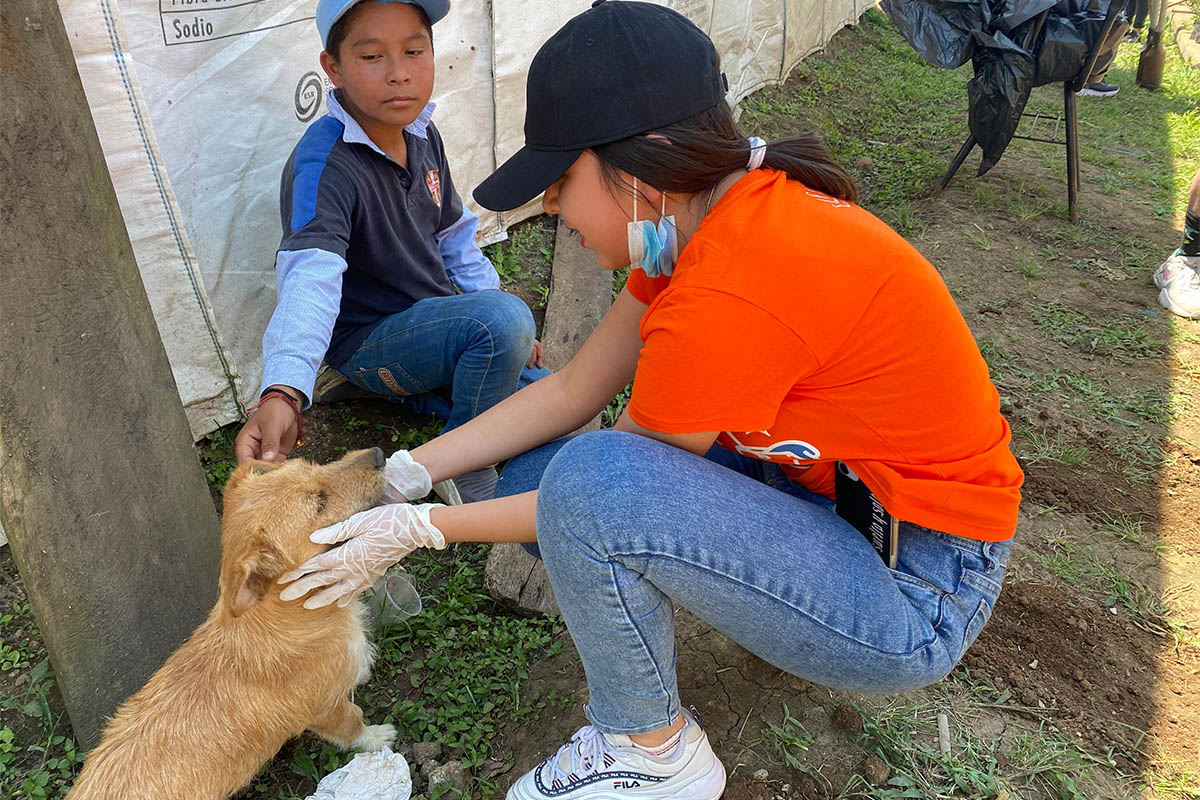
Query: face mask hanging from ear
652,249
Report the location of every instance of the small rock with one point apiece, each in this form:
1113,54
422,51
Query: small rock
865,163
848,719
490,769
875,770
786,788
453,774
426,751
760,775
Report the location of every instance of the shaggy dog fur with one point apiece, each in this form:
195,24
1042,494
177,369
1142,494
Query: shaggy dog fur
258,671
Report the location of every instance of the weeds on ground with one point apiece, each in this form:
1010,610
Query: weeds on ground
453,674
1010,763
1125,338
526,256
1079,564
45,769
217,457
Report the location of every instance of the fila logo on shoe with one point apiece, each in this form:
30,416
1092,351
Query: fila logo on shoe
626,784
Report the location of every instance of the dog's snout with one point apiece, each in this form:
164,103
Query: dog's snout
377,457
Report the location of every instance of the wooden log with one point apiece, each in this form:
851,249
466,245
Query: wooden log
580,296
101,494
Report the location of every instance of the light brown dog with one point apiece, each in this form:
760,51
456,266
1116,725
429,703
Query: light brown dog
258,671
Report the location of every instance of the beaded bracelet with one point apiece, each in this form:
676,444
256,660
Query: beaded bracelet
291,401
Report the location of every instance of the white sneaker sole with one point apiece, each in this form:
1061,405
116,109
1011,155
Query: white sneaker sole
709,786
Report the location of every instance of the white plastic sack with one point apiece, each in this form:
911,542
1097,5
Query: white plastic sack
198,104
382,775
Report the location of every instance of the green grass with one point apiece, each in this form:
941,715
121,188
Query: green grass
863,104
1125,338
1024,761
455,670
524,258
788,741
1035,446
45,768
217,458
1080,564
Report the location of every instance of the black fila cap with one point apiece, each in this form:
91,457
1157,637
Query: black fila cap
619,69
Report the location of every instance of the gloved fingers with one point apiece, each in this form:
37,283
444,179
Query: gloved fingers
391,495
332,534
318,563
313,580
345,588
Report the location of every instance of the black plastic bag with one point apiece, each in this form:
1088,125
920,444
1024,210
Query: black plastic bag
996,36
996,96
941,31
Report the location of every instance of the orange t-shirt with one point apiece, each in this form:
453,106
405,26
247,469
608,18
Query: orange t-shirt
807,331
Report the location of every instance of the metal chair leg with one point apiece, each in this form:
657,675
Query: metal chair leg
1072,152
963,152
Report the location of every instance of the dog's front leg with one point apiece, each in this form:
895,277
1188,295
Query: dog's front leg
343,725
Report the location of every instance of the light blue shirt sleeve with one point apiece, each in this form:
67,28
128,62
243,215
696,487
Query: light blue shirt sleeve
466,265
310,294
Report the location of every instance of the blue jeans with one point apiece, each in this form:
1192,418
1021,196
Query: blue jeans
477,344
629,526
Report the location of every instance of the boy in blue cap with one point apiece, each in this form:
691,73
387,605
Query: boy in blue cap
377,241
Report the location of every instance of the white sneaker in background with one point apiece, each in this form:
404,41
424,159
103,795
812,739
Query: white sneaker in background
1174,266
1181,294
598,766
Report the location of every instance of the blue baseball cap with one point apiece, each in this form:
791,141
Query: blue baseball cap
330,11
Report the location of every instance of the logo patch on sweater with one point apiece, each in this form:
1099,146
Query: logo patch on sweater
435,185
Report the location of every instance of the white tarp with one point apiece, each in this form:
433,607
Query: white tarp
198,104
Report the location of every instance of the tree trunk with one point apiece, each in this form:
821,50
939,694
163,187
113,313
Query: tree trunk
101,493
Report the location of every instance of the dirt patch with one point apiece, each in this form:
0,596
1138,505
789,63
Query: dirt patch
1072,659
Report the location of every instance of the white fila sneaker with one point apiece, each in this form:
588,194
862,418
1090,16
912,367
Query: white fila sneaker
598,766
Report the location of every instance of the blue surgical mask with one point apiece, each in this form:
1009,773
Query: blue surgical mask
652,249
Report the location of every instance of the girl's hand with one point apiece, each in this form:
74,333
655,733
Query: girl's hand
370,542
406,479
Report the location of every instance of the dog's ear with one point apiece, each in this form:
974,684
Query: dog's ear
252,575
249,469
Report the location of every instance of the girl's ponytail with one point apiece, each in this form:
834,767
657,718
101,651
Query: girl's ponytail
694,154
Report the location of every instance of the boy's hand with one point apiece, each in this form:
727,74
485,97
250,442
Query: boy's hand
269,434
535,358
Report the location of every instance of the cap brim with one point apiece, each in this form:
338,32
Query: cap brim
523,177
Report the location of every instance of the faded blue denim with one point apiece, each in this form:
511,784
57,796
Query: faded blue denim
628,527
474,345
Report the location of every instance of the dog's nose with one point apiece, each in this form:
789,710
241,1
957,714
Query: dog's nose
378,457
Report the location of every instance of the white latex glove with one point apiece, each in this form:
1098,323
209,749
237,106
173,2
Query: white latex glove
406,479
372,541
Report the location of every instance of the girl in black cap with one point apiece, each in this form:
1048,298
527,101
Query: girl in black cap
812,461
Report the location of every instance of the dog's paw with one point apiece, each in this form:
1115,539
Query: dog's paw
375,737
